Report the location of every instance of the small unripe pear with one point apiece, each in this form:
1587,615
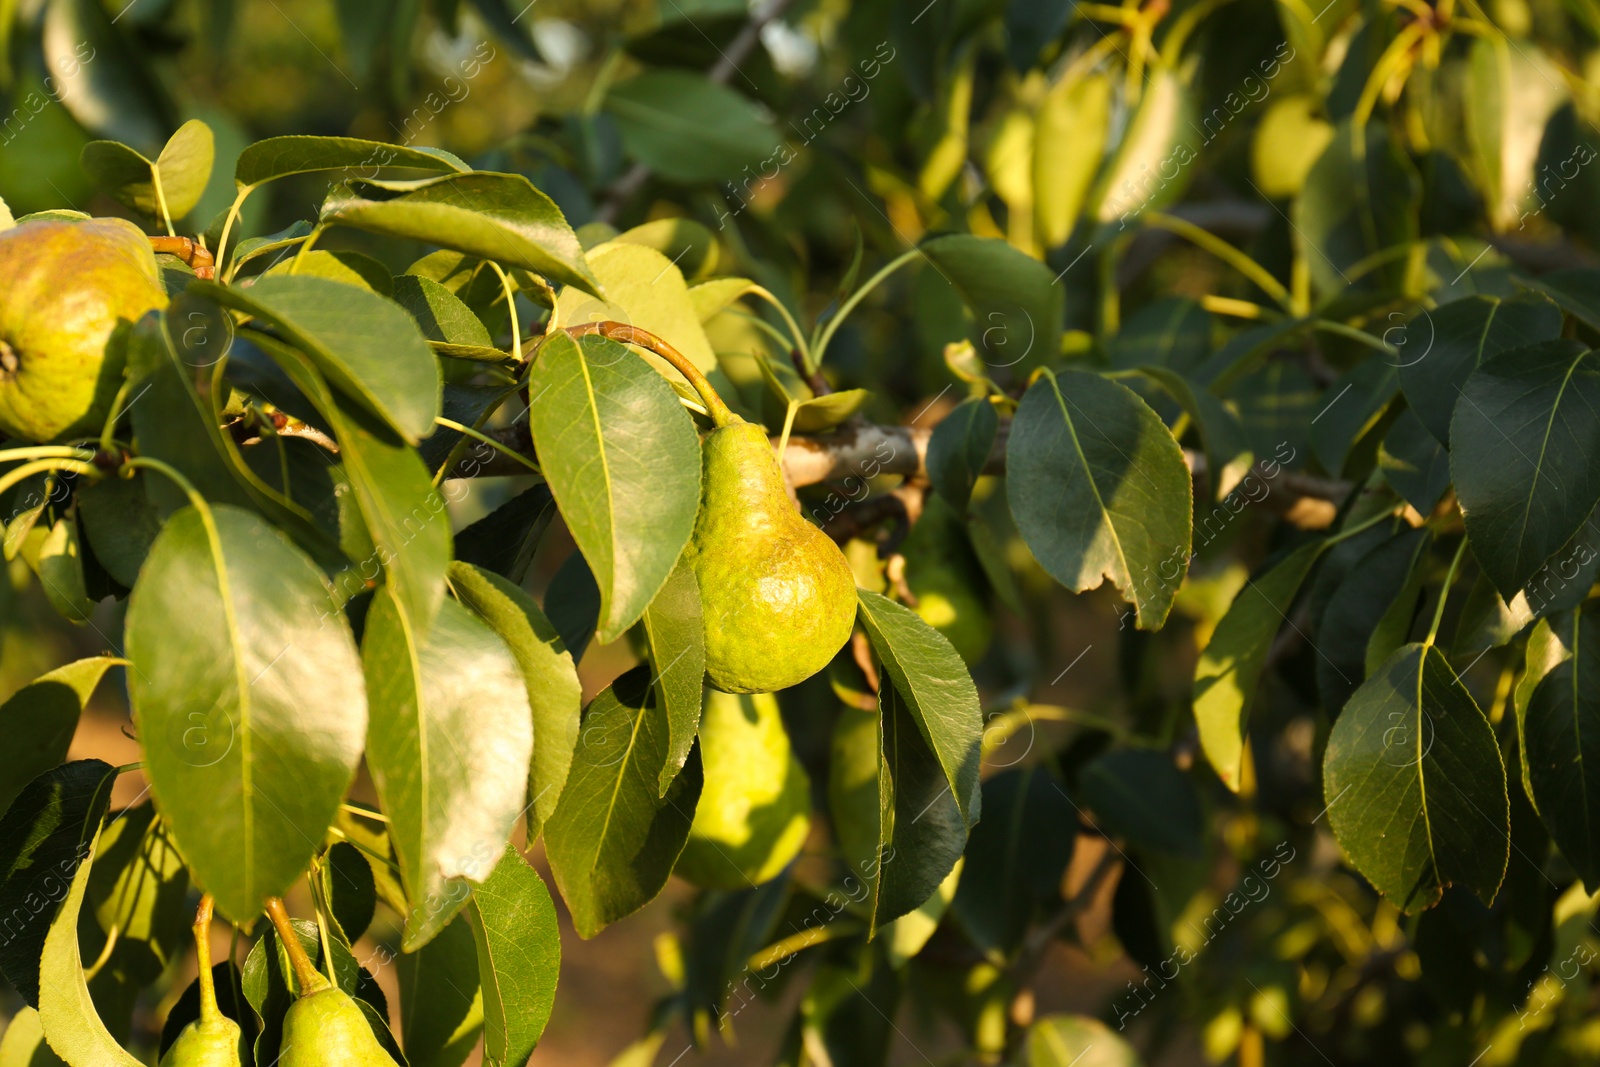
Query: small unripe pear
778,596
65,289
327,1027
206,1043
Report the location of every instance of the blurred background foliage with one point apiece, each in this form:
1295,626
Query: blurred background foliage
1370,159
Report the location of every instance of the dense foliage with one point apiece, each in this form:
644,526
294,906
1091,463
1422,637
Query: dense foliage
1241,347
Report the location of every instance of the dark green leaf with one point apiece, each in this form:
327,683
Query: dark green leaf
937,691
449,747
279,157
1229,671
687,128
1415,786
1383,580
613,839
1138,794
1414,462
1350,417
404,515
364,345
500,217
622,458
959,449
504,540
39,719
1016,857
1229,457
120,524
675,639
1559,729
1576,291
441,1012
1526,425
350,890
1016,305
60,566
246,688
183,167
1444,346
1100,490
519,958
139,891
547,672
46,833
861,800
572,604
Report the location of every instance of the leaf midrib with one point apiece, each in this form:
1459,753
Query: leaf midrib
1544,446
1094,487
246,771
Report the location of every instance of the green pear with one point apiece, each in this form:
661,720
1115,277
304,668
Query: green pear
778,595
755,807
67,289
943,573
327,1027
206,1043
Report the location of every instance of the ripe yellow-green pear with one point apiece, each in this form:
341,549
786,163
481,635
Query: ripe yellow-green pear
778,595
755,808
67,292
944,574
206,1043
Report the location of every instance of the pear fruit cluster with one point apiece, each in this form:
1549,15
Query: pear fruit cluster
778,596
68,290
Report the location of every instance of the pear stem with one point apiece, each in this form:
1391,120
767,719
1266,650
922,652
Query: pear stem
721,414
202,951
311,980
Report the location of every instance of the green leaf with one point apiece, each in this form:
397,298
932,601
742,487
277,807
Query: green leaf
268,244
1068,142
120,523
1076,1041
183,168
938,693
504,540
1015,303
139,890
1444,346
572,603
247,691
675,638
279,157
440,314
519,958
613,839
685,242
45,835
499,217
1526,425
645,289
1414,462
60,568
1154,141
1577,292
930,825
23,1044
344,266
818,414
1558,727
1508,95
441,1004
66,1012
959,448
1415,786
1016,857
548,674
1229,454
350,889
1138,794
1358,201
403,513
1100,490
861,800
690,129
1229,671
39,719
364,345
449,746
1383,584
622,459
